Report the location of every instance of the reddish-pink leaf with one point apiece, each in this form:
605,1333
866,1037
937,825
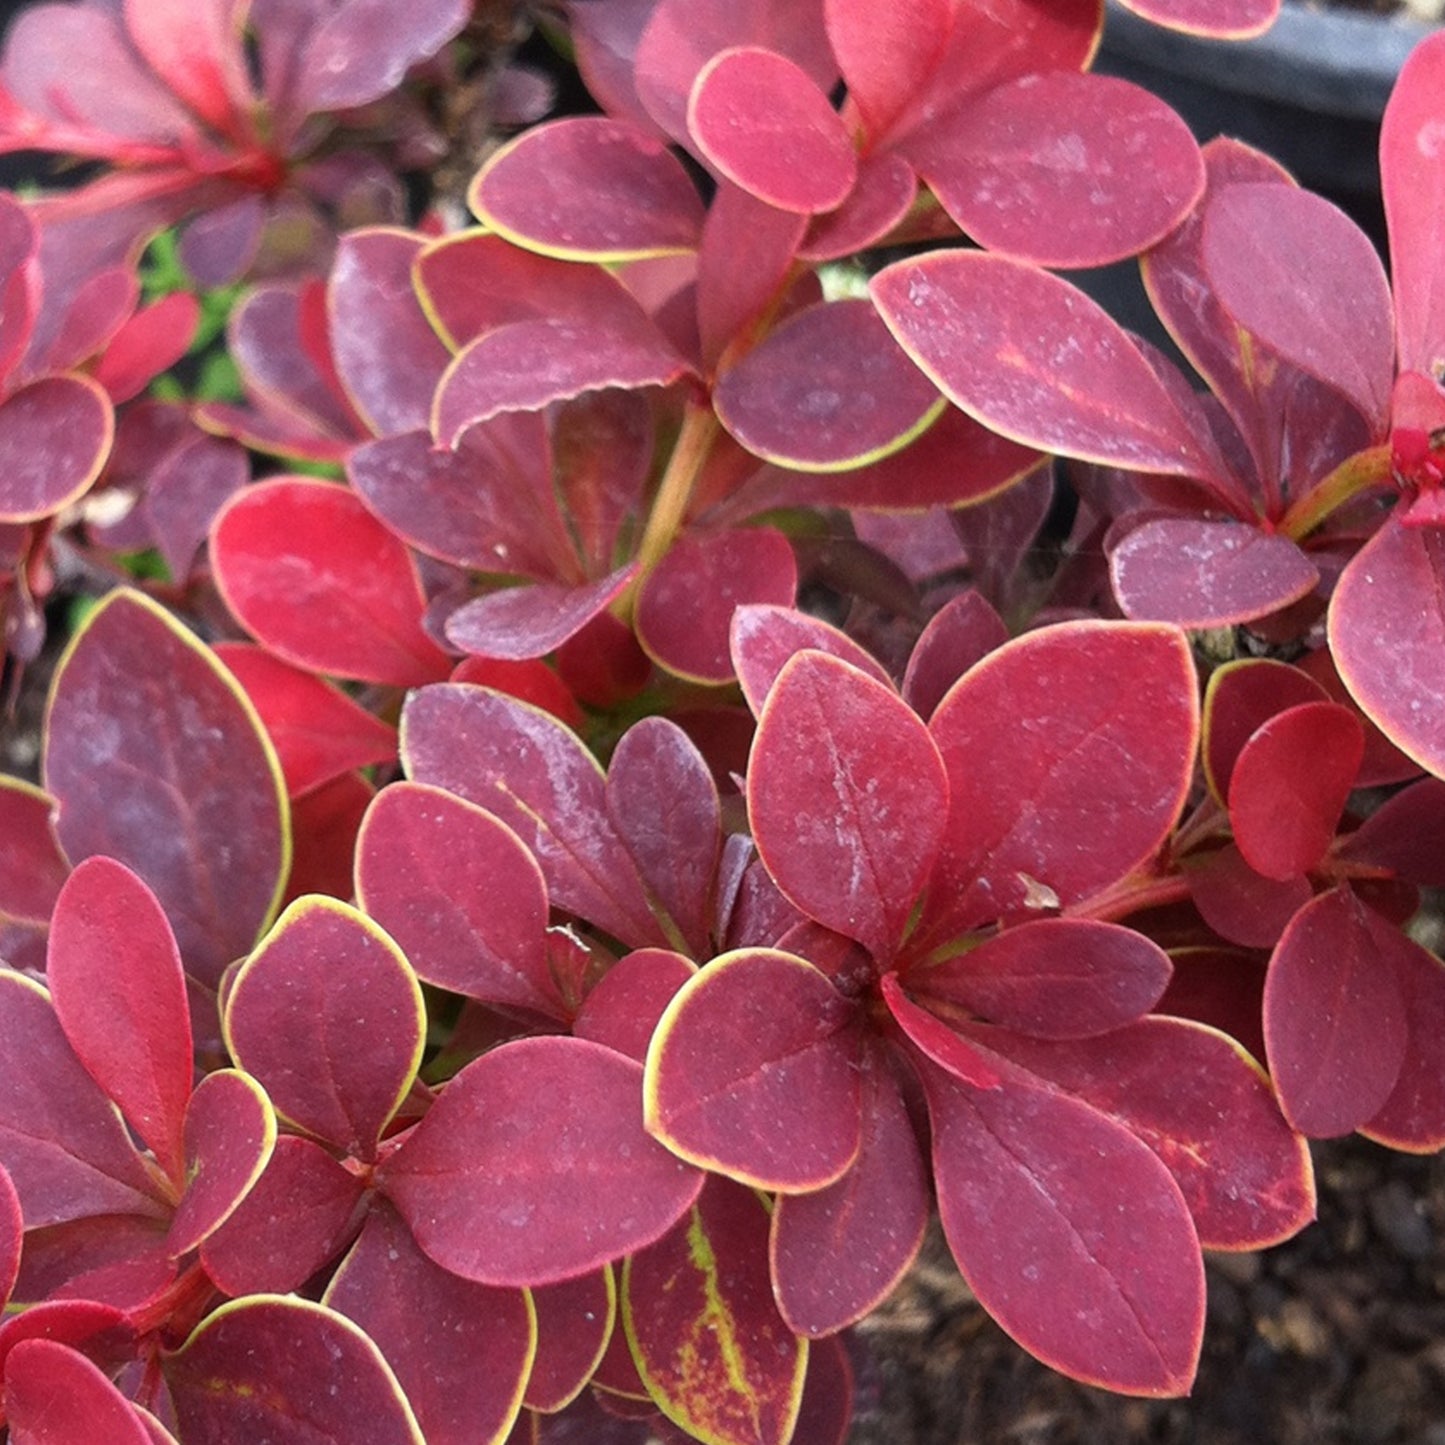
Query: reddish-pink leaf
151,342
1290,784
1300,275
1056,978
283,1368
156,759
328,1016
536,776
880,200
315,1196
517,623
938,1041
1241,905
315,578
229,1135
12,1225
838,1252
1200,572
533,681
764,123
1414,192
1083,730
827,391
119,991
886,54
54,438
753,1072
100,1332
705,1331
1392,589
1036,360
460,893
591,1185
589,188
663,802
1413,1117
847,798
1062,145
461,1351
317,730
962,632
1071,1233
1219,19
1239,697
196,49
53,1394
765,637
1334,1017
575,1320
624,1008
686,604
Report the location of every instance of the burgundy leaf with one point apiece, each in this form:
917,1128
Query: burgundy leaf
628,1002
1241,905
1405,834
283,1368
12,1225
325,823
753,1072
54,437
1334,1017
186,491
1413,1117
575,1320
119,991
886,54
460,894
32,867
765,637
1221,987
880,200
962,632
518,623
314,577
1239,697
156,759
53,1394
938,1041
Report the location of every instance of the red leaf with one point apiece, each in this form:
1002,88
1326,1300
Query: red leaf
55,434
753,1072
54,1394
1070,1232
1219,19
151,342
1062,145
1413,1117
184,493
575,1320
99,1332
1241,905
589,188
327,1015
708,1339
156,759
886,54
686,603
32,867
315,578
273,1367
765,637
115,978
461,1351
12,1225
827,391
196,49
1290,784
532,681
1334,1016
880,200
518,623
962,632
938,1041
1239,697
325,823
591,1186
625,1007
1034,359
766,125
460,894
1405,834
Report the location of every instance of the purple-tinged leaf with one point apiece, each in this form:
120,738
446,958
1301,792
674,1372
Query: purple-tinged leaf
32,867
517,623
1239,697
1334,1015
847,799
589,188
315,578
461,1351
1290,784
662,800
1062,145
837,1252
575,1320
1199,572
1392,588
53,1394
283,1368
12,1226
54,437
628,1002
19,292
880,200
602,447
387,357
962,632
327,1015
764,638
686,604
1384,762
1071,1233
186,491
1413,1117
886,54
1036,360
710,1345
1083,730
1296,272
1414,193
590,1185
1241,905
827,391
116,981
155,758
317,1199
460,894
536,776
66,1150
230,1132
753,1072
1221,987
1054,978
1405,834
1218,19
764,123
